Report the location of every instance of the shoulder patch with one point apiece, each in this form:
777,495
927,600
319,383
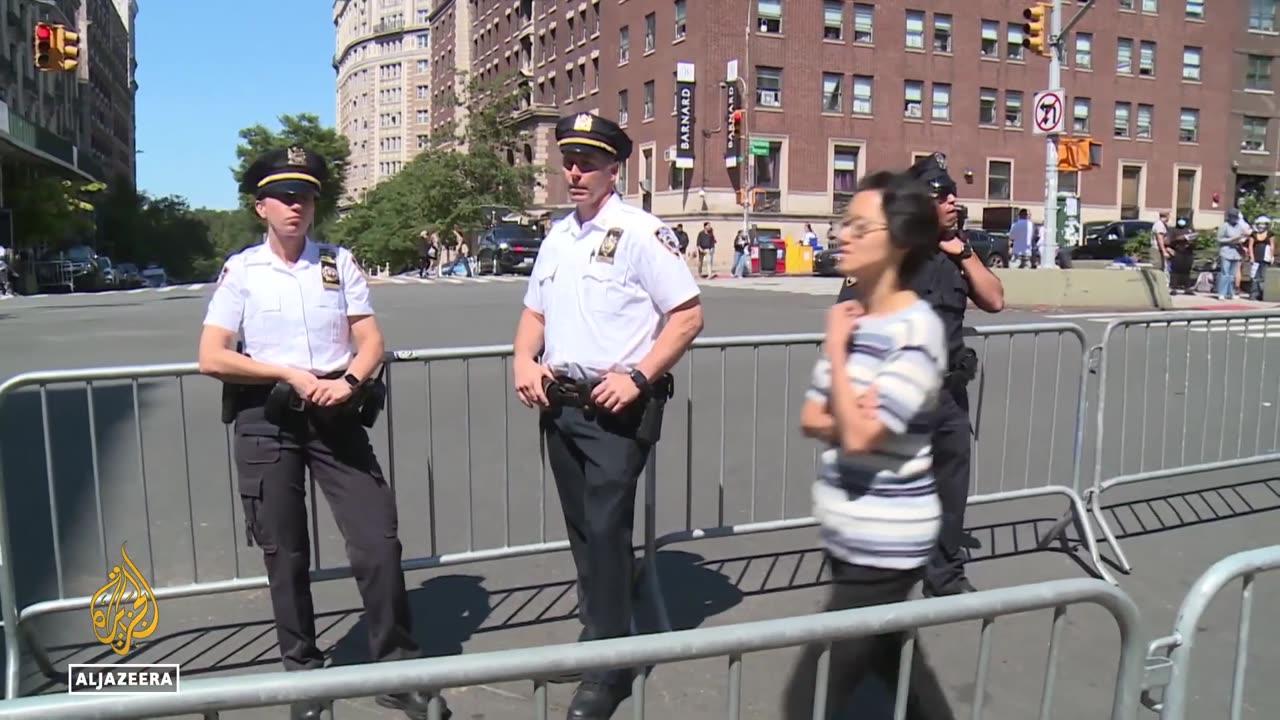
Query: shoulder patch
668,238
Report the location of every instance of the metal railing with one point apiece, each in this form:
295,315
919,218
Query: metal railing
137,455
1169,657
1202,405
731,642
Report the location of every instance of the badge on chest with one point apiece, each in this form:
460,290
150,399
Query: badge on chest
329,269
609,246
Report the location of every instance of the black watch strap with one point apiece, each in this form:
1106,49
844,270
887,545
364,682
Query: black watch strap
640,380
352,380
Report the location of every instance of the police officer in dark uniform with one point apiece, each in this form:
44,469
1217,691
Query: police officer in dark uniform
952,277
301,395
611,306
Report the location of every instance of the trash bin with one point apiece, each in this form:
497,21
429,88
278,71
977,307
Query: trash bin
768,258
755,259
781,246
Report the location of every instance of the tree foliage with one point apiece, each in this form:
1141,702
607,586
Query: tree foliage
444,189
47,210
135,227
302,129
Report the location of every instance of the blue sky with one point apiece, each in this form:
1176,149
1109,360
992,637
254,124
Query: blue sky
206,69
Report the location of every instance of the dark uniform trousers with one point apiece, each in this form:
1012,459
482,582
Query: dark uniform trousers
952,468
271,461
597,460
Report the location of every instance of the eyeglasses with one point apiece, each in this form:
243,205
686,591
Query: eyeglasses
862,230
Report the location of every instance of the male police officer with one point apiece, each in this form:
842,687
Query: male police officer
953,276
297,405
610,308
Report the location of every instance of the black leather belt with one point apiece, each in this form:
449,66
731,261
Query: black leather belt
565,391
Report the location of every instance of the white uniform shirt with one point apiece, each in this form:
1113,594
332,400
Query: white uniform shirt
604,316
287,314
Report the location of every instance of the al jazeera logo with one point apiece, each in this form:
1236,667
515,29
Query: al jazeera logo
123,612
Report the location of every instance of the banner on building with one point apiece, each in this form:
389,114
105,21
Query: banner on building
684,115
733,131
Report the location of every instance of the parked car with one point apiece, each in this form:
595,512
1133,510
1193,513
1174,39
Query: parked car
992,247
77,269
507,248
155,276
1107,240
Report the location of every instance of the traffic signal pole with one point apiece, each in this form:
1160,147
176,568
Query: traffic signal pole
1049,234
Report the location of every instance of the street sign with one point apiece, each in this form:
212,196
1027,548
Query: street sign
1050,115
760,147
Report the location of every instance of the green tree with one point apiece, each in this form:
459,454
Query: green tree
47,209
1254,204
302,129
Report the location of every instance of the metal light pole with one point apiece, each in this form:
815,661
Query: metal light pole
1049,235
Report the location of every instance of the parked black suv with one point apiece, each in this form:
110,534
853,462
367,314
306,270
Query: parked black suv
1106,240
507,248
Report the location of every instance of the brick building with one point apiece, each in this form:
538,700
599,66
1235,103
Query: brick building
1254,136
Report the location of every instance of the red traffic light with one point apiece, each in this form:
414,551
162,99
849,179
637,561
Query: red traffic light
43,32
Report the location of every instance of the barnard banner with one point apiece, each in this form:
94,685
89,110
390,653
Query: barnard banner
684,115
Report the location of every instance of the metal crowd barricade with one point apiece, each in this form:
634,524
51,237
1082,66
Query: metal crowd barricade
1029,449
1195,367
731,642
1169,657
471,471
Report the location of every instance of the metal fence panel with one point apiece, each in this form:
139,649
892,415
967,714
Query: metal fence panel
1183,393
730,642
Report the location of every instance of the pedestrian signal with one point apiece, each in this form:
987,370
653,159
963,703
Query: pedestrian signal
1078,154
67,45
43,50
1035,32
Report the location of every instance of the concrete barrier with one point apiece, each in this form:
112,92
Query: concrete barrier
1141,288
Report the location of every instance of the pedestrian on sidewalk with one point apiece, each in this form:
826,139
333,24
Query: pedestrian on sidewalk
873,391
706,250
1262,252
1232,235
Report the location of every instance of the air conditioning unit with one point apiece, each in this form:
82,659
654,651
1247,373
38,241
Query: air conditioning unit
669,155
914,110
770,98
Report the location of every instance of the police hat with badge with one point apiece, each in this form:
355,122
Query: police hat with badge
286,172
585,131
932,171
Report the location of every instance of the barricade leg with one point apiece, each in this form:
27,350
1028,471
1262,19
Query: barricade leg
1094,497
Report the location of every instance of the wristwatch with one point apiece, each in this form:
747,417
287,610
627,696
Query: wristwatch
641,381
967,252
352,380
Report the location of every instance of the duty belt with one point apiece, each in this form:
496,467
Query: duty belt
564,391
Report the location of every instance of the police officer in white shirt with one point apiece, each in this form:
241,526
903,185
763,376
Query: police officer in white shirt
610,308
302,307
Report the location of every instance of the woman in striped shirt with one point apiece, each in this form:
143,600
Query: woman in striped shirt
873,389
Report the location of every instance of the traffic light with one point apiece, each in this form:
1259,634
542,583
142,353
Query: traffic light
1035,32
67,45
43,50
1079,154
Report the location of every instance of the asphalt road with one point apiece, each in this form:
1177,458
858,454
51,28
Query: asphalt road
468,474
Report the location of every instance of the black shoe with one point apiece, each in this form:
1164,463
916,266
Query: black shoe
958,587
596,701
305,711
414,704
571,676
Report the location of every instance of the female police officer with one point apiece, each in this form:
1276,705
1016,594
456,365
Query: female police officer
301,306
610,307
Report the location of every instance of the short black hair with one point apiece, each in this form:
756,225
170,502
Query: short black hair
911,214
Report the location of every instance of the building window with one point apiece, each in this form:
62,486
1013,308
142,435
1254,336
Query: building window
1122,120
1191,64
941,106
1147,58
861,95
941,33
863,23
622,107
844,177
913,99
623,177
999,180
987,106
1186,192
1262,15
1195,9
770,14
1130,191
682,22
648,100
990,39
769,87
832,19
1014,45
1084,51
1189,125
769,167
595,74
1126,4
1144,122
1257,74
1124,56
624,44
915,30
1080,116
1150,6
1254,137
1013,108
650,32
832,97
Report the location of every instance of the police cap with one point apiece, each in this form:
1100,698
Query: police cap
294,170
932,171
585,130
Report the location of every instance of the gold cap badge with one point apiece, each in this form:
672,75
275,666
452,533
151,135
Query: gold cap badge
582,123
297,156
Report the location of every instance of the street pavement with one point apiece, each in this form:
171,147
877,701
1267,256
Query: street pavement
467,469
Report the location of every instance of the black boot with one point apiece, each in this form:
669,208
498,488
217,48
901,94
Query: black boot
597,701
414,704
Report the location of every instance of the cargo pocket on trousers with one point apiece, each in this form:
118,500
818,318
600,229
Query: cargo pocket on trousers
257,453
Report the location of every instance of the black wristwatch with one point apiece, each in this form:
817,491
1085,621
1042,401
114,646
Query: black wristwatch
352,380
641,381
967,252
